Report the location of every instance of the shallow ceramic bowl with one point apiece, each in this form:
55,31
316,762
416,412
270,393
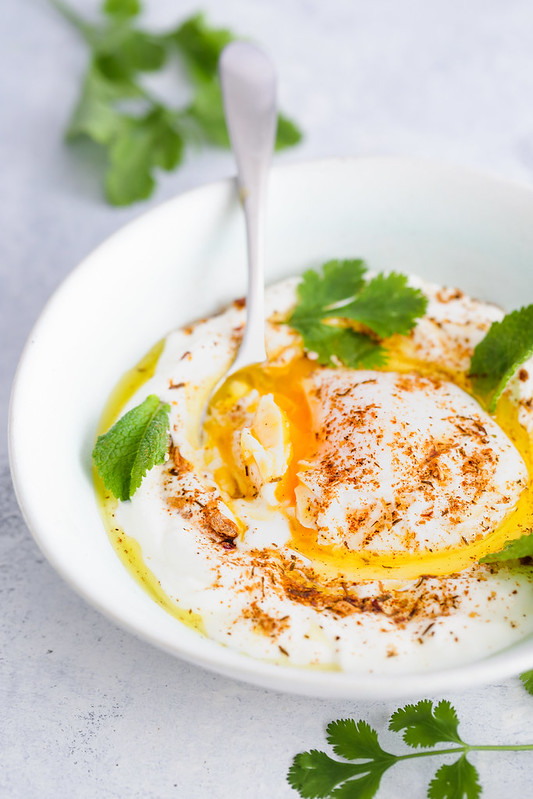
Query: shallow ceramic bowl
186,259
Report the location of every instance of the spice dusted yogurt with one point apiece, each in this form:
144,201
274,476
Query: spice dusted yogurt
332,517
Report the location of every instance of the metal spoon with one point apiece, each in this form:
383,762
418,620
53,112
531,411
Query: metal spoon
248,82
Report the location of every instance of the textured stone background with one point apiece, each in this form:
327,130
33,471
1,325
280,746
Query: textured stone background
87,710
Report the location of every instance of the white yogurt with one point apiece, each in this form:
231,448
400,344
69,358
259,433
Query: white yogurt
231,561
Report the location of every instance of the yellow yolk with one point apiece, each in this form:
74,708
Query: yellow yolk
263,429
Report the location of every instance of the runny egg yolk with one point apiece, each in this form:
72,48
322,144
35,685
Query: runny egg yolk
380,474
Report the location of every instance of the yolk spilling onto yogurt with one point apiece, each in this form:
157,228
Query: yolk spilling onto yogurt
380,474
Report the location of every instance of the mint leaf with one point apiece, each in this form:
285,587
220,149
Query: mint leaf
121,8
426,724
527,679
337,295
519,548
458,781
135,444
497,357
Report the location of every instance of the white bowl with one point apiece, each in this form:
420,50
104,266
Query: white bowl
185,259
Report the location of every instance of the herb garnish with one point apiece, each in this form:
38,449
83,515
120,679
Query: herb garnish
335,300
499,354
151,135
518,548
527,679
315,775
136,443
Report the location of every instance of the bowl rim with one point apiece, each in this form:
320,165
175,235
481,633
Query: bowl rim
210,654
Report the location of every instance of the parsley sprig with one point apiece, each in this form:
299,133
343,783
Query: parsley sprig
117,111
316,775
343,318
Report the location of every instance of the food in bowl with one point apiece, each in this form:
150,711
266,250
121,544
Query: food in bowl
333,510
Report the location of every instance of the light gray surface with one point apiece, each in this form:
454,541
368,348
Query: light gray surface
87,710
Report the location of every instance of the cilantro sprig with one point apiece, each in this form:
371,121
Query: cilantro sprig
134,445
139,132
499,354
343,318
316,775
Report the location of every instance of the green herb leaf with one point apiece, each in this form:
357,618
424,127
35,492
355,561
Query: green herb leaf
288,133
458,781
317,776
139,147
356,740
314,774
519,548
527,679
387,305
153,135
333,344
497,357
122,8
328,301
201,46
135,444
207,114
426,724
95,115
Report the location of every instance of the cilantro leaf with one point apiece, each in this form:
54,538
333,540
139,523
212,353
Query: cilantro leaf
128,52
95,114
519,548
314,774
387,305
364,787
460,780
141,145
497,356
156,135
356,740
426,724
201,45
339,281
121,8
136,443
527,679
207,114
333,344
330,299
288,133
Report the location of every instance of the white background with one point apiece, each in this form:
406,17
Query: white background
86,710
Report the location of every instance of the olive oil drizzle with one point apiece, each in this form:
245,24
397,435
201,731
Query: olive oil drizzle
127,548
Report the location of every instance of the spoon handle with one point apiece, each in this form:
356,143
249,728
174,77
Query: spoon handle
248,82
